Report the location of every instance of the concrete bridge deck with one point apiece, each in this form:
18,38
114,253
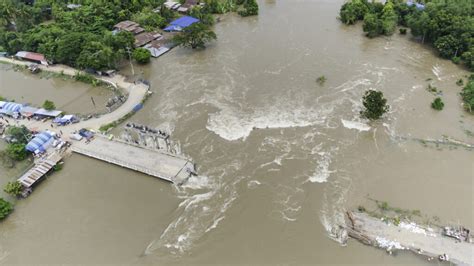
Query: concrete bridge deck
151,162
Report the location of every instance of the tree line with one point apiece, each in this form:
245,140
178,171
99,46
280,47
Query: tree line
447,25
80,37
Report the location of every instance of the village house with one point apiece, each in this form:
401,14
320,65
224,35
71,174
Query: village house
129,26
33,57
145,38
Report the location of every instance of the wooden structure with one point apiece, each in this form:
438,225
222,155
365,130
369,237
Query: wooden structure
41,167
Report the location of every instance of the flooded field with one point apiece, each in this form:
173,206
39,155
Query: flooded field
280,157
69,96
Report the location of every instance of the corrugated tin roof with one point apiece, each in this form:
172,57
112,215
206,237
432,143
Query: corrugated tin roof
44,112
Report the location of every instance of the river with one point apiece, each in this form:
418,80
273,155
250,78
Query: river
280,157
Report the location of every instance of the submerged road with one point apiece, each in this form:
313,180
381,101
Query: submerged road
136,94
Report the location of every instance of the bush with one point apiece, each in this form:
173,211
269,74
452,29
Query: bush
321,80
13,188
456,60
460,82
375,105
403,31
437,104
20,134
5,208
49,105
142,55
16,151
467,95
195,36
250,8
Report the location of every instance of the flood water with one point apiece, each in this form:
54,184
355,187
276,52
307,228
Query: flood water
69,96
280,157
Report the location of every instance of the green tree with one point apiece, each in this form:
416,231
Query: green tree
49,105
375,105
195,36
372,25
202,15
353,11
448,46
142,55
21,133
16,151
389,19
5,208
149,19
468,58
467,95
250,8
437,104
13,188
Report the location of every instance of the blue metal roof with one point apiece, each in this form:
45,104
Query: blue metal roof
38,142
12,107
181,23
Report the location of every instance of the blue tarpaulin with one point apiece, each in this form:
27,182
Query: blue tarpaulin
137,107
181,23
12,107
39,142
418,5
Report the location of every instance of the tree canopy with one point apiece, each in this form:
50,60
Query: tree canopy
448,25
141,55
49,105
79,37
375,105
195,36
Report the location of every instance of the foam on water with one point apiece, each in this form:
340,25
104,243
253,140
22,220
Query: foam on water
355,125
322,171
231,124
202,209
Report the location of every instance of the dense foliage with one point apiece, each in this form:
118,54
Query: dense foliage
448,25
142,55
79,37
250,8
195,36
467,95
15,150
49,105
13,188
375,105
5,208
20,134
437,104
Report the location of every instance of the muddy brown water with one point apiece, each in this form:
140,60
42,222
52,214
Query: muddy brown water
69,96
279,156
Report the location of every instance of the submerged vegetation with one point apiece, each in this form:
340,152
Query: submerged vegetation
49,105
195,36
437,104
375,105
13,188
467,95
321,80
15,151
142,55
5,208
447,25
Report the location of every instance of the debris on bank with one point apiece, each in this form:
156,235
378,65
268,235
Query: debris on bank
448,243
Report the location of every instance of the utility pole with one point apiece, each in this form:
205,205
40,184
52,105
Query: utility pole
130,58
